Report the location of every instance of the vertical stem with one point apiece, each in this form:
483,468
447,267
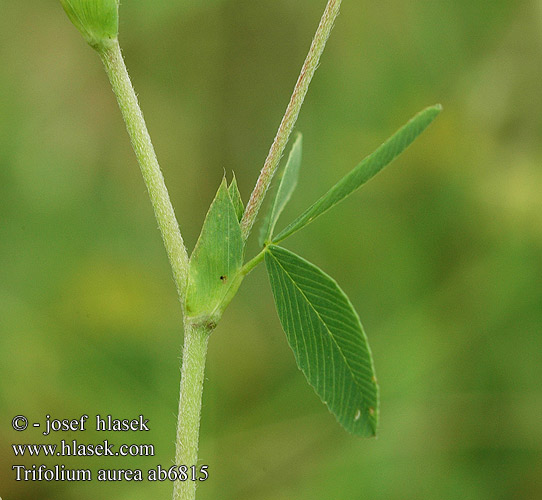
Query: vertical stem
144,150
290,116
192,373
195,336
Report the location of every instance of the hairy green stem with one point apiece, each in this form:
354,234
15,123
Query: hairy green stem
144,150
196,337
290,116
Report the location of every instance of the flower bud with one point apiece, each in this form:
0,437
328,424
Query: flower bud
97,20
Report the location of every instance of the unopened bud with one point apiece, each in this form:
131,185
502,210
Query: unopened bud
97,20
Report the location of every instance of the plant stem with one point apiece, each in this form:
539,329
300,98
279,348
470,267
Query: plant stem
141,142
196,337
290,116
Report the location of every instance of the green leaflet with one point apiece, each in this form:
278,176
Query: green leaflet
216,260
236,199
287,185
365,170
327,338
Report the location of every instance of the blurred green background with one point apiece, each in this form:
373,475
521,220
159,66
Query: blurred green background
441,253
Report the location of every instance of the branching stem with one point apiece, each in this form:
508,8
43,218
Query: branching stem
144,150
196,335
290,116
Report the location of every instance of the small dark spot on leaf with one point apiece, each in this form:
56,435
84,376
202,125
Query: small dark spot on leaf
223,278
